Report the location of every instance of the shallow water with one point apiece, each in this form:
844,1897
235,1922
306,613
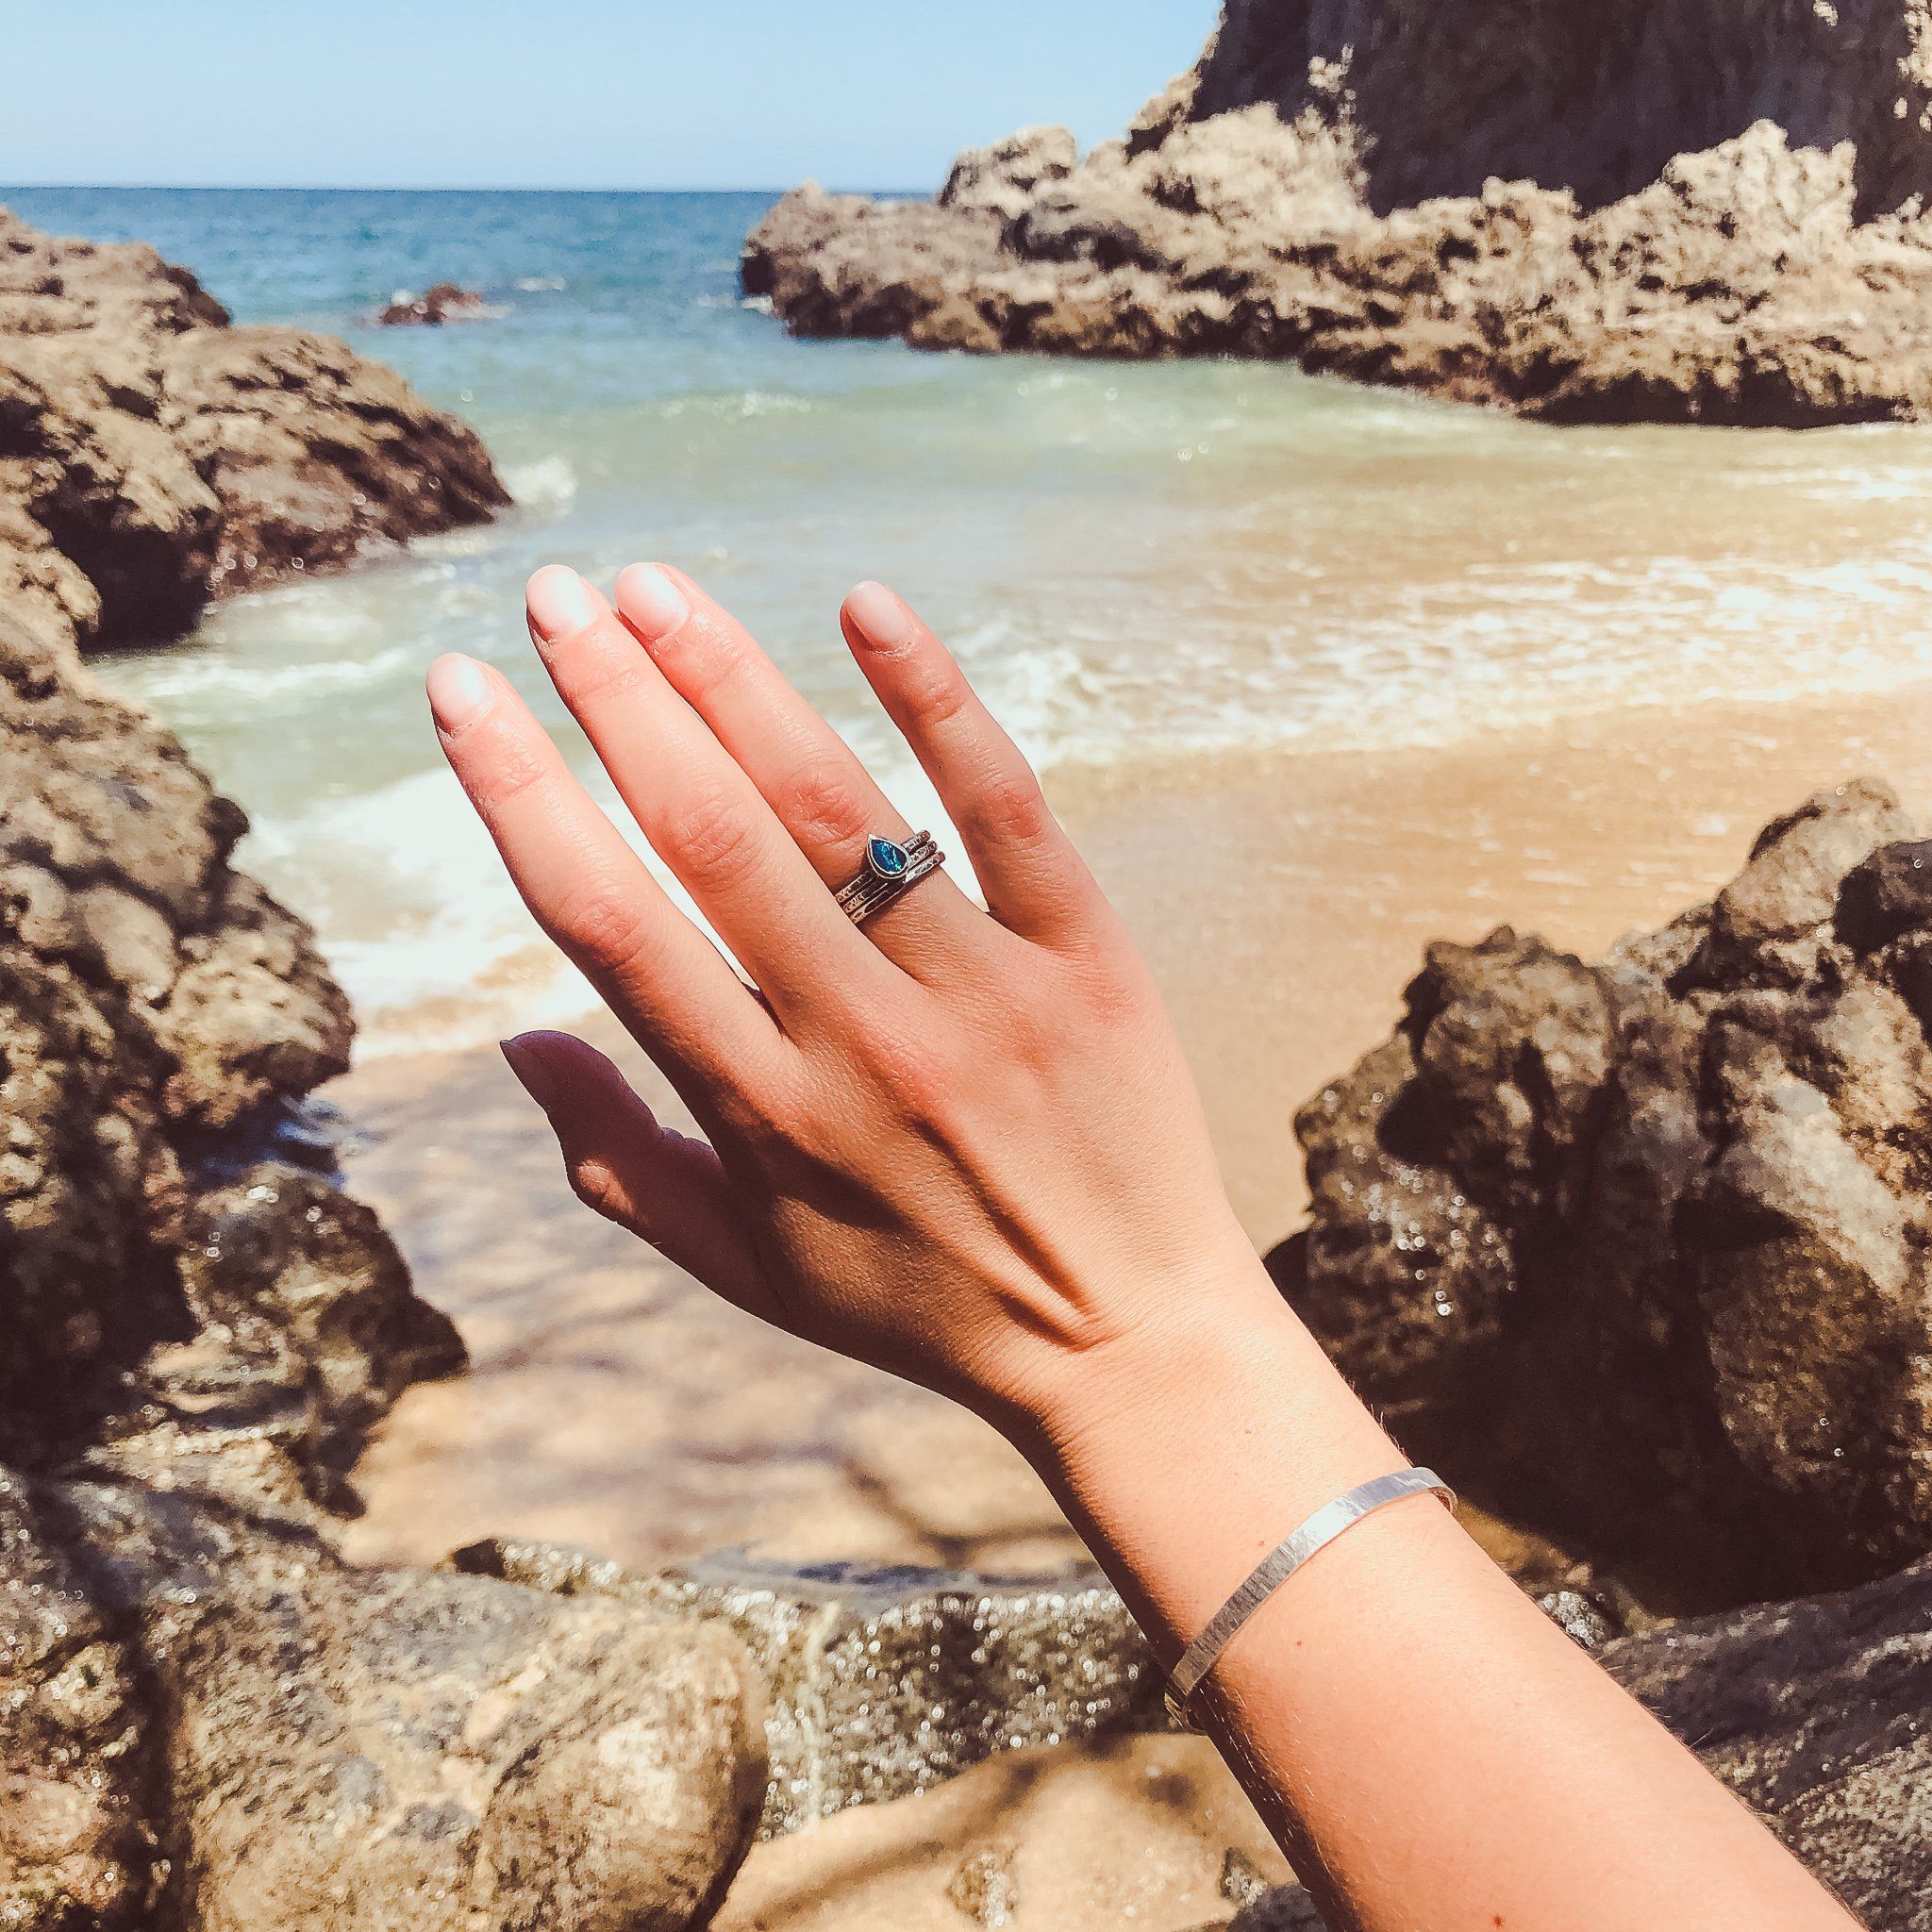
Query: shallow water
1139,563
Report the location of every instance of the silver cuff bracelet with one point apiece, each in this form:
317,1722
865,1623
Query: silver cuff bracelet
1319,1530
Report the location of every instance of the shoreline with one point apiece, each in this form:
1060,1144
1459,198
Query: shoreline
1283,901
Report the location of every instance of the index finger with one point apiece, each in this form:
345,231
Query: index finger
592,893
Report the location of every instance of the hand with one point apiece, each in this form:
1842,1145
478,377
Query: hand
958,1144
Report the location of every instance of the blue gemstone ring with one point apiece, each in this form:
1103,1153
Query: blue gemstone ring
891,868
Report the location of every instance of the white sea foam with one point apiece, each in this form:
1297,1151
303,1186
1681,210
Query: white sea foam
545,484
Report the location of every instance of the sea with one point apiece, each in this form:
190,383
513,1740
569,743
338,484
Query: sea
1140,564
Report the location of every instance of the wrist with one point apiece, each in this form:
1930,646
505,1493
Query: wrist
1189,1447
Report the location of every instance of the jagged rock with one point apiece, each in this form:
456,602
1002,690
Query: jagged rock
883,1682
151,456
379,1749
1538,213
445,302
78,1784
1005,177
1639,1250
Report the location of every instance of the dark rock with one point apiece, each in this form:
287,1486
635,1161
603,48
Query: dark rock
152,458
1636,1251
1819,1712
443,302
1677,221
79,1784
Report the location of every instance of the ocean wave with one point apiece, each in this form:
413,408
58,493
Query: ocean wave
543,484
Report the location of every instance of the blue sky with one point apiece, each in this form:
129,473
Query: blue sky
572,94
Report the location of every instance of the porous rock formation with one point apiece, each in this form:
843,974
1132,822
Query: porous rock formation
1812,1710
1641,1250
206,1720
1605,212
151,456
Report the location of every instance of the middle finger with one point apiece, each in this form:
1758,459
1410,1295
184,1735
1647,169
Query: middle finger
703,816
808,776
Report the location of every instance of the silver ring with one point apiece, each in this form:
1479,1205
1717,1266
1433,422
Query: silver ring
891,868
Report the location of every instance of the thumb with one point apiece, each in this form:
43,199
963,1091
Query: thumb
665,1188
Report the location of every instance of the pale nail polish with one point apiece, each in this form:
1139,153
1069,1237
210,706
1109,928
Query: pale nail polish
880,614
529,1067
654,605
560,603
458,690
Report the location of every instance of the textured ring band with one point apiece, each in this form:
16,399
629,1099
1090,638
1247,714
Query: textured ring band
891,868
1321,1529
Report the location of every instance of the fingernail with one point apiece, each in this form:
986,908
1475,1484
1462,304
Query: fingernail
560,603
459,690
530,1068
880,613
654,606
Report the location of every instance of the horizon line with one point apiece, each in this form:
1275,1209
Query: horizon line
423,188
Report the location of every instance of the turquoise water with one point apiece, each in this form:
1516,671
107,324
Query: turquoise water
1136,562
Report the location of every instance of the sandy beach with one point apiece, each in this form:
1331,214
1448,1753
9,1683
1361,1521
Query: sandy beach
1284,901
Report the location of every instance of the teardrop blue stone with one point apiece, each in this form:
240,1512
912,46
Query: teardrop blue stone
886,856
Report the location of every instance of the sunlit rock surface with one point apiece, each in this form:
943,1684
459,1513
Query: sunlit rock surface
1705,214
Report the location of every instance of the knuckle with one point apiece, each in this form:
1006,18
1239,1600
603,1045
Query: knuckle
939,700
1117,993
605,675
917,1074
599,926
711,833
820,808
593,1183
1009,806
702,659
513,769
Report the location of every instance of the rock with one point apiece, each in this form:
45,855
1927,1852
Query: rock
984,1885
1636,1251
157,1008
883,1682
1816,1712
1005,177
415,1748
1701,222
151,456
445,302
78,1785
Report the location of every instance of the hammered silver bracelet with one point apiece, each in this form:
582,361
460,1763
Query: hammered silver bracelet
1319,1530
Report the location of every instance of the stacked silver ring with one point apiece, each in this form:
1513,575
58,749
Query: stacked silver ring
891,868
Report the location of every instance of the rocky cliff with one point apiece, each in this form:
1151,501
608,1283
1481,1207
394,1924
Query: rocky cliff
1583,213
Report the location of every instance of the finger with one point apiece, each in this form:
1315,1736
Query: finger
667,1188
822,794
701,813
1033,881
589,892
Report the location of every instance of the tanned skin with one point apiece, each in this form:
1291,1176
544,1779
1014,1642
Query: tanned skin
961,1143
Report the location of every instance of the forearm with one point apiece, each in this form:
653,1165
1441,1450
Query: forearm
1431,1750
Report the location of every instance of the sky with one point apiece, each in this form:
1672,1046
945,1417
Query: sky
575,94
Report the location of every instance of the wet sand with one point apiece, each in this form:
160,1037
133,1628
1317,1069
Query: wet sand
1284,901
